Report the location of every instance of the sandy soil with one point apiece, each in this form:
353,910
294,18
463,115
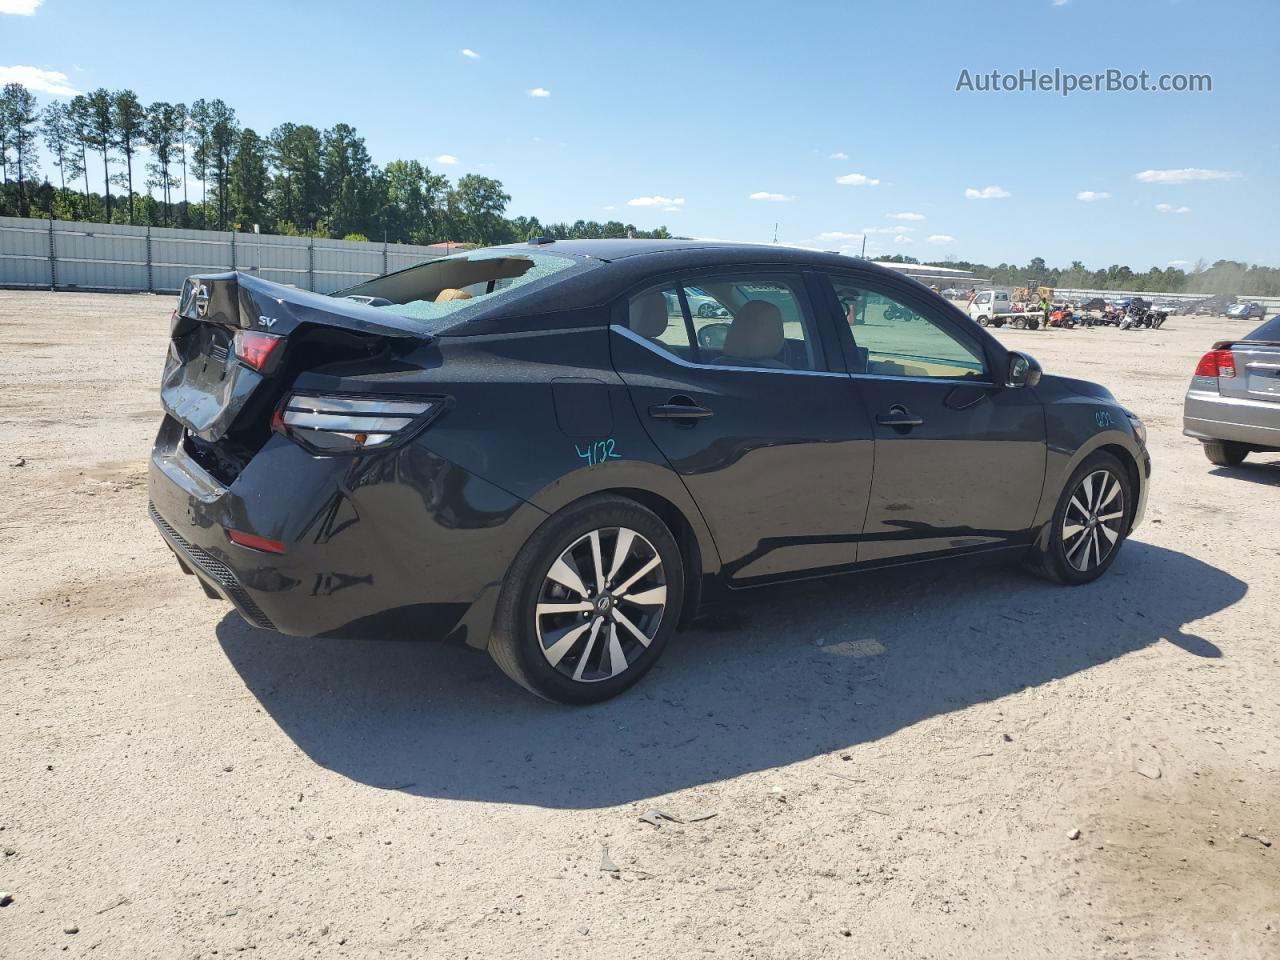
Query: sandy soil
895,763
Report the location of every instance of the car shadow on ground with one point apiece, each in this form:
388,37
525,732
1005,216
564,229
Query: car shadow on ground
781,675
1264,472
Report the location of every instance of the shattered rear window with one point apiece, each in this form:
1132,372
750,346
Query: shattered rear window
465,282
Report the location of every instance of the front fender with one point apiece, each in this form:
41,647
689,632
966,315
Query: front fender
1077,426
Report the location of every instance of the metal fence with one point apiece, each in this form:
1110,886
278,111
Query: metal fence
69,255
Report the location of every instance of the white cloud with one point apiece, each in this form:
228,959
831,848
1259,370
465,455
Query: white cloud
671,209
765,195
1184,175
469,53
1061,3
1179,263
539,92
656,201
857,180
1088,196
941,238
905,216
37,80
838,155
610,206
1170,208
987,193
837,235
23,8
447,159
891,231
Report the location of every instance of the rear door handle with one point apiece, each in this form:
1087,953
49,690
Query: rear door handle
899,416
678,411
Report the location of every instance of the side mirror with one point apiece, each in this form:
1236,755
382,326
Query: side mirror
1024,371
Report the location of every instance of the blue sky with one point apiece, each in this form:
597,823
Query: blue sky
678,113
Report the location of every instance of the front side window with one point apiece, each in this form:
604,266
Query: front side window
751,322
894,340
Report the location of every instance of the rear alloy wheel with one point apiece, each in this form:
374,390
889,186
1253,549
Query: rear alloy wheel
601,604
1090,522
589,602
1225,453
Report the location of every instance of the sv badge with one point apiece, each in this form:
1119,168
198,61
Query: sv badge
267,322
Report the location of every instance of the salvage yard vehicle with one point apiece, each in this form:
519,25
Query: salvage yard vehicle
1246,311
1233,403
994,308
536,451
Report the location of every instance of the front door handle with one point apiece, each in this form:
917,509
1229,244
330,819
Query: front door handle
679,408
899,416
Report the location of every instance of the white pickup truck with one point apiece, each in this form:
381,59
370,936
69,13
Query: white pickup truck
993,308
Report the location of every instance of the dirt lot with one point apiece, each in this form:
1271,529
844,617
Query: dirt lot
895,763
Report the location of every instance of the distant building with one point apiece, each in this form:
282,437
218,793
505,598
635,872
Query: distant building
942,276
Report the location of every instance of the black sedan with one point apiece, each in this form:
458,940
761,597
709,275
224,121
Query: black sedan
548,452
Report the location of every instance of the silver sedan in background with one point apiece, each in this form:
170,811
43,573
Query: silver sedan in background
1233,403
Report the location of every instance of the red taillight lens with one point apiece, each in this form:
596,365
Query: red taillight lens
1217,363
255,349
255,542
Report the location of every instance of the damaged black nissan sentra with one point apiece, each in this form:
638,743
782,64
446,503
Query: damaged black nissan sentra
557,451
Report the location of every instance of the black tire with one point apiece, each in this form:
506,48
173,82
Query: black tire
1225,453
982,321
1060,561
517,641
1019,323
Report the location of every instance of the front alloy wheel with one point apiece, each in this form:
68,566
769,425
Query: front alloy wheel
1094,520
601,604
1090,522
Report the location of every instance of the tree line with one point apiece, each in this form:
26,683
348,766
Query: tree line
297,180
1222,276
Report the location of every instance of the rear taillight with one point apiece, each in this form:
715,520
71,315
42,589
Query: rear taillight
259,351
343,424
1217,363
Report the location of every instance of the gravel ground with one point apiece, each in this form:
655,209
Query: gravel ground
894,765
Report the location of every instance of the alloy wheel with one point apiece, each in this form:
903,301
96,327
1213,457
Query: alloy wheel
600,604
1093,521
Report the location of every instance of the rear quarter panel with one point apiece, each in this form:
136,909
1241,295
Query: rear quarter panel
542,415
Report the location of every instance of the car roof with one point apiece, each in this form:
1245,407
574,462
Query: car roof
732,251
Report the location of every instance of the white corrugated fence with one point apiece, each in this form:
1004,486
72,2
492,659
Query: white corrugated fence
70,255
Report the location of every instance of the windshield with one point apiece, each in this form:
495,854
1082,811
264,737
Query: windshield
464,282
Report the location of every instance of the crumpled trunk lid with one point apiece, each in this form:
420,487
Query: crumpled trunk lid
211,392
